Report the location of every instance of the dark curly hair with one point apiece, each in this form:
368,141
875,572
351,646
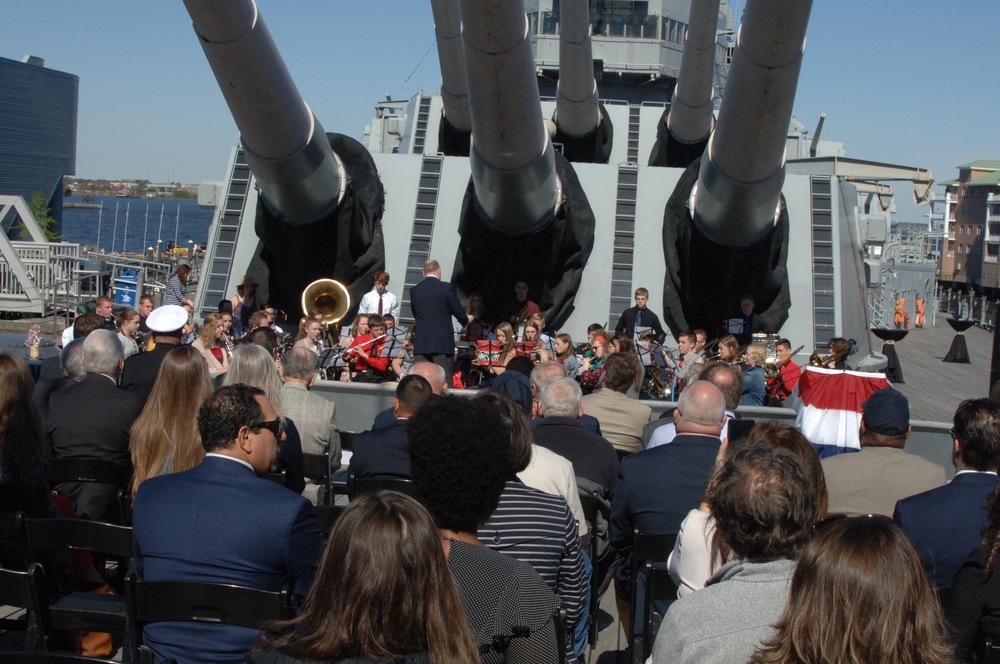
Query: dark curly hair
763,503
460,458
221,417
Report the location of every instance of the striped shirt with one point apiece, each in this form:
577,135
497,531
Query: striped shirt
539,529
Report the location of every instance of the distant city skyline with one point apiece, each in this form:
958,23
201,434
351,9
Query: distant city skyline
908,83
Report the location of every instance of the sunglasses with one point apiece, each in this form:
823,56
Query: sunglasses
274,426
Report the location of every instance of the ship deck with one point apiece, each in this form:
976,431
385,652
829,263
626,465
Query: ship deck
935,388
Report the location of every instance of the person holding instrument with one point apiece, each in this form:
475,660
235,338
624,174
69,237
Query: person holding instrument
520,309
366,352
508,348
781,386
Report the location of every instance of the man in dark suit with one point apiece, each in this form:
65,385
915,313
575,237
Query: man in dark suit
73,371
944,524
434,303
220,523
639,316
657,488
165,324
84,324
91,420
383,451
543,373
430,372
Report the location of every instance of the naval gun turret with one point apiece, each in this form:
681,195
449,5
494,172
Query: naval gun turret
726,225
525,215
320,200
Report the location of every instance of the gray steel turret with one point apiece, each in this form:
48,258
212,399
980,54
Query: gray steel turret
320,200
456,122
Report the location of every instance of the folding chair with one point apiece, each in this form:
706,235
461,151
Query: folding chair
660,592
26,590
316,468
327,515
645,548
20,657
360,486
94,471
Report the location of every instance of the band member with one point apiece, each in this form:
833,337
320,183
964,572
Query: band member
508,348
781,386
592,371
520,309
700,345
379,300
310,333
566,354
839,349
639,316
367,350
729,349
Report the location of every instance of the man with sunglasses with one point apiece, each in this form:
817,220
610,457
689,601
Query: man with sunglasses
221,523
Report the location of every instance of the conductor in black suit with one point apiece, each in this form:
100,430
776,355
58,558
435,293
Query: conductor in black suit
383,452
91,420
434,303
639,316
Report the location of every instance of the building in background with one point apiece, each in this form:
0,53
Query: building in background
38,116
972,228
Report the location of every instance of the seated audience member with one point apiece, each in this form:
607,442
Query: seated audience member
543,373
165,438
765,509
972,605
22,461
753,376
700,550
657,488
622,419
382,593
91,420
858,595
166,325
872,480
558,430
383,451
220,523
944,524
71,358
83,325
433,373
724,377
515,382
314,416
539,528
460,460
253,366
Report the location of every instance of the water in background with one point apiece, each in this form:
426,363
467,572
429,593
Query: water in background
181,219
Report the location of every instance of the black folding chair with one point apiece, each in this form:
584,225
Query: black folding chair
316,468
653,549
80,610
591,503
32,500
196,602
94,471
26,590
20,657
360,486
660,592
327,515
559,622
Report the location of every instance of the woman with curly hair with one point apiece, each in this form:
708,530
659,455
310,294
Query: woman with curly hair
859,594
209,343
383,594
461,456
164,438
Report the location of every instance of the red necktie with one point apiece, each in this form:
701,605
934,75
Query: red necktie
379,305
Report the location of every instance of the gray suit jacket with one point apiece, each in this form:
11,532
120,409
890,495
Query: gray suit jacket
315,419
872,480
622,419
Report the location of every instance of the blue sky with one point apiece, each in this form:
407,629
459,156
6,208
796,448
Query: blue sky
900,81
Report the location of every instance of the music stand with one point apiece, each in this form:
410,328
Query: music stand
893,369
638,332
329,358
959,351
645,353
393,341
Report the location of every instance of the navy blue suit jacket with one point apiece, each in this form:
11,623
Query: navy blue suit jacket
381,452
588,422
657,488
434,303
220,523
944,524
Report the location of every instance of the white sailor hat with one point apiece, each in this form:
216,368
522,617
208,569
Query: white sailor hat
168,318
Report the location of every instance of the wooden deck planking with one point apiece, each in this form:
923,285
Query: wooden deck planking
935,388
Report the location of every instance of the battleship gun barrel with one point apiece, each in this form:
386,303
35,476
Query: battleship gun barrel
512,159
288,151
454,88
577,108
742,173
690,117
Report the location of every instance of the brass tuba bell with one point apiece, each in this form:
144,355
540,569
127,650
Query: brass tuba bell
329,296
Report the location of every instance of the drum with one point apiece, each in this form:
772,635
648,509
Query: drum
488,353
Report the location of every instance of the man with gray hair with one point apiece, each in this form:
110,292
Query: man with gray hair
559,430
314,416
71,360
724,377
91,420
543,373
656,488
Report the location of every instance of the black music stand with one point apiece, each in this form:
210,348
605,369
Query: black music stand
893,369
393,342
959,351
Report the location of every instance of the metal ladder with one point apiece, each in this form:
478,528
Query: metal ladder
824,305
216,277
624,242
633,133
420,135
421,232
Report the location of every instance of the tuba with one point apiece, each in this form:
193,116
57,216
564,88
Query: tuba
329,296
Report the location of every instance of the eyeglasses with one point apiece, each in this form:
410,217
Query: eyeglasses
274,426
